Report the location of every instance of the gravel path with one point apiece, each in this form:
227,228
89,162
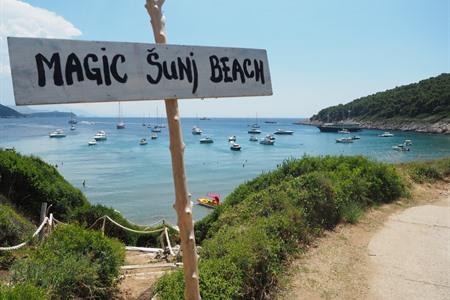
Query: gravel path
411,254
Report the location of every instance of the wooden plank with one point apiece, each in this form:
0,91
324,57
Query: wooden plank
52,71
148,266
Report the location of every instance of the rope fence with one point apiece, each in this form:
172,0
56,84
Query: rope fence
52,221
26,242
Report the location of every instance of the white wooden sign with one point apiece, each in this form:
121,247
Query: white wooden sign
48,71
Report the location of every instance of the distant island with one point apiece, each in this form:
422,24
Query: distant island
8,112
421,107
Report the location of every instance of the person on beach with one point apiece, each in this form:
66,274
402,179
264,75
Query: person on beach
84,183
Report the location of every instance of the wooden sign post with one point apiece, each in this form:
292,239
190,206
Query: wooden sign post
183,205
52,71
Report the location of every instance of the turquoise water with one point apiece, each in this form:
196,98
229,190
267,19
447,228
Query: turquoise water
137,180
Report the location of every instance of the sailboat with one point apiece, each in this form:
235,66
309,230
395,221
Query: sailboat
120,124
255,125
72,120
156,127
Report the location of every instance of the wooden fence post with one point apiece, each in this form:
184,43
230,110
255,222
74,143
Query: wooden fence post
42,217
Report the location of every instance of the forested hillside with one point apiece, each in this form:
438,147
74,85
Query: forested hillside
6,112
428,100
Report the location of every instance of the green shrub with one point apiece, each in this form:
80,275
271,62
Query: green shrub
264,221
427,171
73,262
21,292
14,229
27,181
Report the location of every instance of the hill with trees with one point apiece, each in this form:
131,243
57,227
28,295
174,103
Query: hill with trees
6,112
421,106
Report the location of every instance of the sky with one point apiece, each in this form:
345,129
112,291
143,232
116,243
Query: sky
320,53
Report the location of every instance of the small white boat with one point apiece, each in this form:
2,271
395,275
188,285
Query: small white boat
355,137
254,130
58,133
143,142
401,147
196,130
253,139
92,142
100,136
267,141
344,131
407,142
156,129
206,140
235,147
232,138
386,134
344,140
72,127
270,137
284,132
154,136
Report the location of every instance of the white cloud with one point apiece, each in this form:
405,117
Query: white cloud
18,18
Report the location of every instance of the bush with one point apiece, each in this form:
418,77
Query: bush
264,221
14,229
73,262
27,181
428,171
21,292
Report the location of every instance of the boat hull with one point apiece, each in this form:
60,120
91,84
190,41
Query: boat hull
337,128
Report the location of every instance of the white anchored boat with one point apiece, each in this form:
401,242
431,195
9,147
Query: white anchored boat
100,136
58,133
386,134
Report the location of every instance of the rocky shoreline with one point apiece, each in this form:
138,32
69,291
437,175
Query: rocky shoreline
441,127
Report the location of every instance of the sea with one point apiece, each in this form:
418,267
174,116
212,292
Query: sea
137,180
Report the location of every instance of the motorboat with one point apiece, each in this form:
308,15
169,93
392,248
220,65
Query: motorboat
254,130
206,140
386,134
346,140
267,141
72,127
196,130
58,133
232,138
154,136
92,142
284,132
270,137
344,131
253,139
156,129
407,142
100,136
235,147
401,147
143,142
355,137
211,200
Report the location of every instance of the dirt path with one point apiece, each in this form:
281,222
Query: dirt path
139,274
341,266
